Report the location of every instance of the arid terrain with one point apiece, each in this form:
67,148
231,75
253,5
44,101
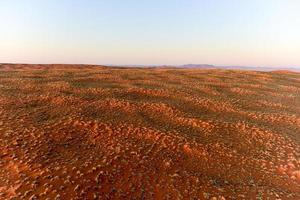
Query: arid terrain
95,132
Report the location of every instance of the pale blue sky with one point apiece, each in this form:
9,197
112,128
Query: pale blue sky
220,32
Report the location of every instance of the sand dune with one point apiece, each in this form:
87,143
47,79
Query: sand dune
96,132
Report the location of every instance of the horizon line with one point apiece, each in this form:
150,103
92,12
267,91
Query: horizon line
155,65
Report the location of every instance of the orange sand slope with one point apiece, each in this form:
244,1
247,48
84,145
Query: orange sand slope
94,132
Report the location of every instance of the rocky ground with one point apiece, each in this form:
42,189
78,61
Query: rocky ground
92,132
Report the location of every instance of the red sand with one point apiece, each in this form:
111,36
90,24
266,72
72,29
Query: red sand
91,132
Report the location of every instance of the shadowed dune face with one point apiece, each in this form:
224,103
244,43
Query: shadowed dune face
127,133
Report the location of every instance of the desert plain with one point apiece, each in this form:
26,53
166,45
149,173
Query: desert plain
96,132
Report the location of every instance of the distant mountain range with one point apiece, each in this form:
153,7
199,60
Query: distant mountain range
206,66
198,66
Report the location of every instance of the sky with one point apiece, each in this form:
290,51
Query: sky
151,32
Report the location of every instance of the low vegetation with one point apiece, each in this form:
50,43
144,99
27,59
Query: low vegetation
94,132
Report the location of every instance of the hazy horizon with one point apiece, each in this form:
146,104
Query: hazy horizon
221,33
